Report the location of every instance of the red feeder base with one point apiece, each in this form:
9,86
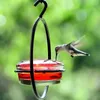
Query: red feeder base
44,71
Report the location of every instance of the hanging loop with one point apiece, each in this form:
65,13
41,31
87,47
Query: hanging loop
45,6
32,54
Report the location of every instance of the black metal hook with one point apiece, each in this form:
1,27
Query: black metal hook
45,6
32,47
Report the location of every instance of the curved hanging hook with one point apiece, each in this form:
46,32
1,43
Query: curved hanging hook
45,6
32,46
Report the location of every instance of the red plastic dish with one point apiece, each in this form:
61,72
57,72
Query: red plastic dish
44,71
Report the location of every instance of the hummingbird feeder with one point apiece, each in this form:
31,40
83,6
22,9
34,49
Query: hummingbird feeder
40,71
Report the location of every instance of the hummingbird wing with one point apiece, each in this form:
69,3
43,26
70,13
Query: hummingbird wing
77,43
73,51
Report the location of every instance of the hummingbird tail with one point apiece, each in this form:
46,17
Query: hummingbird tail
87,54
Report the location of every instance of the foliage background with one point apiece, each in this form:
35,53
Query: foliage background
67,20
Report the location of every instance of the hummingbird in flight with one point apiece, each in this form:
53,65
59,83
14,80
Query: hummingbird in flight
71,49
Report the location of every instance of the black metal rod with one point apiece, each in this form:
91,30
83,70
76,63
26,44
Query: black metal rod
31,59
31,65
48,38
32,54
32,47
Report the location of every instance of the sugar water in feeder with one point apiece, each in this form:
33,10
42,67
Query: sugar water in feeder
45,72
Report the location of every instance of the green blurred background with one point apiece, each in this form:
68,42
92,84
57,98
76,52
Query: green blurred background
67,20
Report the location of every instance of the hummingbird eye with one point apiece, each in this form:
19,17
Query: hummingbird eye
56,49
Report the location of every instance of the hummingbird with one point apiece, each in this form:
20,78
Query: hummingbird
71,49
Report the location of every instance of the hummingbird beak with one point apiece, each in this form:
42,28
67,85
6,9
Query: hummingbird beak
56,55
57,49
